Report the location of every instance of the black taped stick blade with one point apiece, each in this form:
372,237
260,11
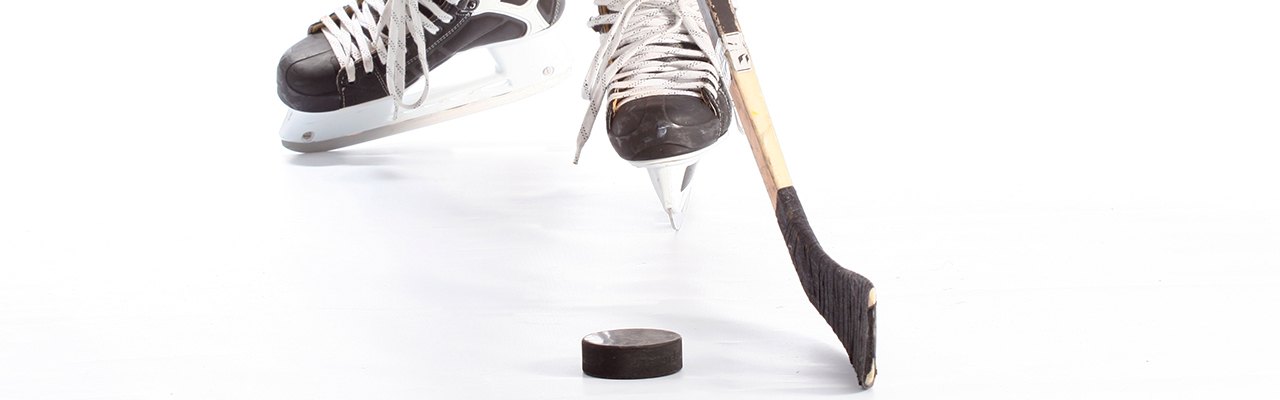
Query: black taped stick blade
632,353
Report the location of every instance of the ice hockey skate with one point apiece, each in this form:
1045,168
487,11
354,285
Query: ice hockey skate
352,79
661,76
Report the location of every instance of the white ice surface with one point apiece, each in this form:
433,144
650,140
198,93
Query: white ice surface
1074,200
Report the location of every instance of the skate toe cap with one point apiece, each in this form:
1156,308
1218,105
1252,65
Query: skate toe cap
309,68
664,126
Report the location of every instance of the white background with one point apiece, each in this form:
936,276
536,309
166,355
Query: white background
1054,199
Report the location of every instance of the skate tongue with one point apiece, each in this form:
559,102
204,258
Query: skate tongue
314,28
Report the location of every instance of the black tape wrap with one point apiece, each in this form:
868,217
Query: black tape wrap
840,295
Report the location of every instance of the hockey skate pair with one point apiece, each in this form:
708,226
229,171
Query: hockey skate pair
657,71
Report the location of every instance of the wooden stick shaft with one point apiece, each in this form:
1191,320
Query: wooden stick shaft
749,102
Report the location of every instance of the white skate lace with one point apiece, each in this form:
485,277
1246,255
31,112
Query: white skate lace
355,37
644,53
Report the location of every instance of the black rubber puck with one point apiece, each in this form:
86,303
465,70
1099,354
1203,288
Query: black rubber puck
631,354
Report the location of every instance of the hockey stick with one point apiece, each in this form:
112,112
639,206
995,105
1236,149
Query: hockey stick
845,299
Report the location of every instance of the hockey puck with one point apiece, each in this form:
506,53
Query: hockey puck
631,354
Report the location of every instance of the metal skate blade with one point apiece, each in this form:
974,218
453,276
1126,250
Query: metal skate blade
676,217
672,184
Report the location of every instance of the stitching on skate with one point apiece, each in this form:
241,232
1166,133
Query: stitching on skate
382,83
555,14
462,20
436,43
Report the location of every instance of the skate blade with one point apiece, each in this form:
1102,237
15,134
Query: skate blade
524,67
671,178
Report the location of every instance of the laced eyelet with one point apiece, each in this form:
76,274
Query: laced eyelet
468,5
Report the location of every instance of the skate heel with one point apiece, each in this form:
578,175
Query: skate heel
671,178
523,68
